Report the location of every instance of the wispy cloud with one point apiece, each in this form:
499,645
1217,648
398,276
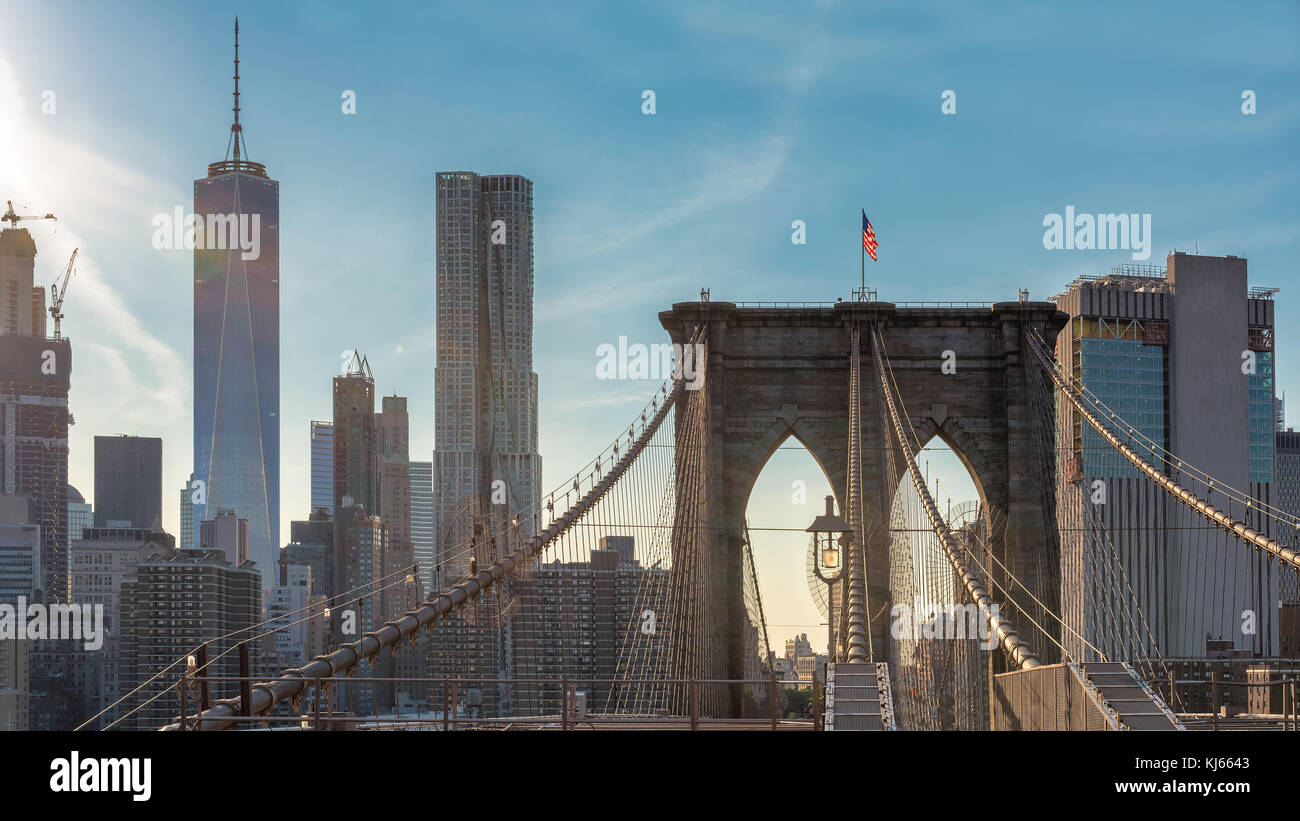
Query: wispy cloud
132,374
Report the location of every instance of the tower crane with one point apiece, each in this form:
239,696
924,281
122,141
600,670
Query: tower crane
58,291
13,218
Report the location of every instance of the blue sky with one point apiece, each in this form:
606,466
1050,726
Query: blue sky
766,113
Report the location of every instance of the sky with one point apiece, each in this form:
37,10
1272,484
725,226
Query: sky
764,114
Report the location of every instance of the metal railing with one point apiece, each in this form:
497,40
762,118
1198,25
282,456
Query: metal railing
452,708
1289,717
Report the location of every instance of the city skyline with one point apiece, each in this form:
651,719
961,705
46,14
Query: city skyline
723,221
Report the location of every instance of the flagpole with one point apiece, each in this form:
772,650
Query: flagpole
863,253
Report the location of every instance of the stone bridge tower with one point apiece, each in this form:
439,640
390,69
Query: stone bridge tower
776,372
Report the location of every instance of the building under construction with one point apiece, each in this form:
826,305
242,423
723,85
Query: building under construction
35,376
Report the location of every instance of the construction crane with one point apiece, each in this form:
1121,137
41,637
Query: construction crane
14,218
58,292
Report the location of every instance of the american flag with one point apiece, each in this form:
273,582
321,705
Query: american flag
869,236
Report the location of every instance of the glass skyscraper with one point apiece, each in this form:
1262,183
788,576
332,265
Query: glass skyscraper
422,516
322,467
237,346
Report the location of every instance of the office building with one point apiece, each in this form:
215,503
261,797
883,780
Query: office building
230,534
81,514
237,343
312,544
322,467
192,496
300,633
128,480
422,545
20,576
1167,351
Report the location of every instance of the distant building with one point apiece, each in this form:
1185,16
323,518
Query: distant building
189,510
359,544
34,380
237,344
15,685
159,604
322,467
392,446
20,577
484,432
22,305
1286,484
128,480
624,546
229,534
81,515
810,669
20,549
798,646
100,563
312,544
1160,348
422,541
486,465
300,634
1289,628
355,460
1270,693
600,604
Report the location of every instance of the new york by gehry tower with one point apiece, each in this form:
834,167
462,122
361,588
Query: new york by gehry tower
237,344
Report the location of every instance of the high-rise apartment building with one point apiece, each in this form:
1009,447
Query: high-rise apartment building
160,604
128,480
1167,350
485,387
237,343
322,467
486,467
100,562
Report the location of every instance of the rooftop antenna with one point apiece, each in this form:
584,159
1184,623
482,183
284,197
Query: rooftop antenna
236,130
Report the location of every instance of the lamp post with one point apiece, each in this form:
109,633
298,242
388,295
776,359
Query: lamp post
826,553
